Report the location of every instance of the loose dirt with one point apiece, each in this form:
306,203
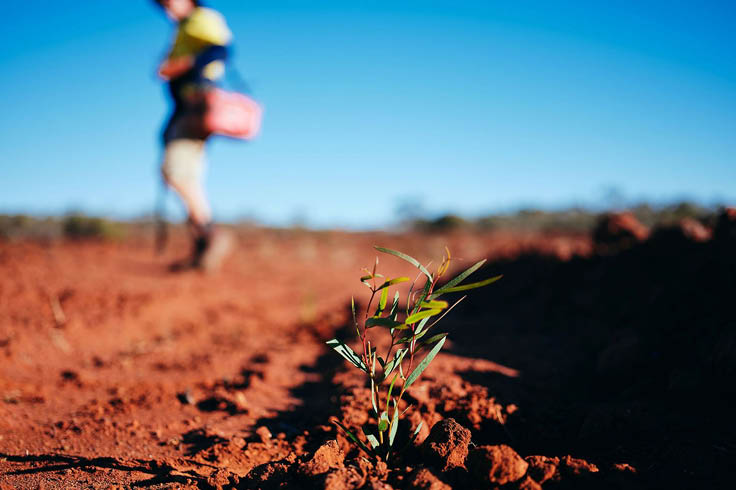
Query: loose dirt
577,370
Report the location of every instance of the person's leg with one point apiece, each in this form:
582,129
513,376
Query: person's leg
182,169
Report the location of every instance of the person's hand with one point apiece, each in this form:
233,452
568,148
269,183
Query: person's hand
174,67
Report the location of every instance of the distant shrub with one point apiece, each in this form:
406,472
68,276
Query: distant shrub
571,220
21,226
10,226
78,226
447,222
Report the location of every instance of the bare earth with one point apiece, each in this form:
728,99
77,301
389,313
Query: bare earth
116,373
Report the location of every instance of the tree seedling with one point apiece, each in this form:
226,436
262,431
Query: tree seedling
409,326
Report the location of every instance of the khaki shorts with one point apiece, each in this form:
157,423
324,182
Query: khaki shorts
183,162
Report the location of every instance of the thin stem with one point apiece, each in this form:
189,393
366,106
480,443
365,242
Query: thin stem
365,330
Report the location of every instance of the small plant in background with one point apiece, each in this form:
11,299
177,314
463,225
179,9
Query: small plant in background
79,226
409,326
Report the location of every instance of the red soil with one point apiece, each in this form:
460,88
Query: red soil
116,373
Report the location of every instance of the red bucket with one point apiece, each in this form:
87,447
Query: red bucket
232,114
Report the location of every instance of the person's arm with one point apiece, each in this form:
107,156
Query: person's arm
208,55
209,28
175,67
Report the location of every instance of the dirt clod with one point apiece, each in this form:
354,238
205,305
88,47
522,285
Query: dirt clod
575,466
328,456
528,483
423,479
376,484
264,434
624,468
268,475
543,468
496,464
343,479
446,446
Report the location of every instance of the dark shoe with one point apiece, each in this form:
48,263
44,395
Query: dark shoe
194,261
219,246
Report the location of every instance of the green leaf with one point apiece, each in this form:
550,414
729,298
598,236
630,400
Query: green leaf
423,365
372,440
433,339
352,437
345,351
394,426
422,296
434,304
391,282
421,325
419,427
373,362
394,307
459,278
355,318
391,364
382,303
407,258
383,422
373,396
381,322
391,387
416,336
411,319
446,312
472,285
366,278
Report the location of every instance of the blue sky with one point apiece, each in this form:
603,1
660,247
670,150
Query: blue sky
462,106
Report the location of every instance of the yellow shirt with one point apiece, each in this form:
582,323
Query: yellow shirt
203,28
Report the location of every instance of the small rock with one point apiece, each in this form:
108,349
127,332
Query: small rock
240,402
528,483
624,468
497,464
186,398
343,479
376,484
268,475
543,468
575,466
446,446
238,442
264,434
328,456
423,479
219,479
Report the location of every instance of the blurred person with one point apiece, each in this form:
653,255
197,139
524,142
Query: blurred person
195,63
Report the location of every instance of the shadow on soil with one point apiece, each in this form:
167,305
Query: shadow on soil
627,356
320,399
